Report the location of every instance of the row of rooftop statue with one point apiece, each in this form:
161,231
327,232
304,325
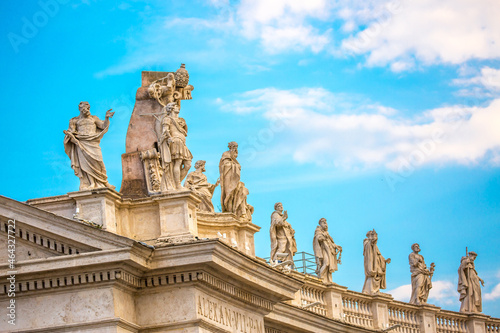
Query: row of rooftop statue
82,141
328,257
85,131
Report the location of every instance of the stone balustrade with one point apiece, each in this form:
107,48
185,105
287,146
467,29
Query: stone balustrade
382,312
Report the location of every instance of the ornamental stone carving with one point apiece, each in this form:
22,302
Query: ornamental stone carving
174,154
327,253
420,276
198,183
375,265
233,191
81,144
283,244
469,285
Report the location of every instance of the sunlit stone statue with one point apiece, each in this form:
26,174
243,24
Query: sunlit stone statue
197,181
233,191
174,154
468,285
420,276
283,245
81,144
375,265
325,251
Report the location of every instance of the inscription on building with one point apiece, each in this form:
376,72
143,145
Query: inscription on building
222,314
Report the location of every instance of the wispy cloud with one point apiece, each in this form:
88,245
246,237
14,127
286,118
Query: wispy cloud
400,34
343,131
441,293
430,32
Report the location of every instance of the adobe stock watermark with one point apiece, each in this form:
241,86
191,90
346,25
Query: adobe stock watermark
11,255
258,143
31,25
423,150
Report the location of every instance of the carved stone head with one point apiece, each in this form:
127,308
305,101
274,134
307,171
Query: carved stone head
415,247
233,148
323,224
84,108
278,206
200,165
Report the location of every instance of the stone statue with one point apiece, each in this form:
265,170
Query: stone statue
325,251
420,276
198,182
282,235
233,191
468,284
375,265
81,144
174,154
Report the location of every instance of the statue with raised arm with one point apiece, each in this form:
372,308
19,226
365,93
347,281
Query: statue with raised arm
174,154
282,235
81,144
420,276
375,265
198,183
233,191
469,285
325,251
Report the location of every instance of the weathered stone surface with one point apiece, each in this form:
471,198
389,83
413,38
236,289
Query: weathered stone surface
420,276
325,251
469,285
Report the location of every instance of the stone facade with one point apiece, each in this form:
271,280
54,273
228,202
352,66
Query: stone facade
146,259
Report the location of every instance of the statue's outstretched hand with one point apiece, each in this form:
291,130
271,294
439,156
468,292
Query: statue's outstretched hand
109,114
482,282
388,261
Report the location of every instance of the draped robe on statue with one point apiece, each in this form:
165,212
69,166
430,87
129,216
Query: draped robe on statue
85,154
375,266
233,192
198,182
325,248
282,237
420,279
469,286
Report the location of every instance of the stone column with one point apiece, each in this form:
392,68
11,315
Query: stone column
427,313
476,323
380,310
178,221
333,298
98,206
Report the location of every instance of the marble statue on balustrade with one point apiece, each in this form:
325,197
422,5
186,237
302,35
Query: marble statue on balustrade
81,144
469,284
198,183
420,276
375,265
282,235
233,191
174,154
327,253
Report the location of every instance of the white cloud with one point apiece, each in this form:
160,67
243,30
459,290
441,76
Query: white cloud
283,25
485,83
442,292
347,132
494,294
432,32
401,293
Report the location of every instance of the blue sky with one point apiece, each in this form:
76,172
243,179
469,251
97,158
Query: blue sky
373,114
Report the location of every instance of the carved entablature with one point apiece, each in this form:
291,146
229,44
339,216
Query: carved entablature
172,88
151,162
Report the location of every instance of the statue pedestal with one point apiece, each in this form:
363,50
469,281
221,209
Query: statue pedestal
238,234
98,206
177,212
